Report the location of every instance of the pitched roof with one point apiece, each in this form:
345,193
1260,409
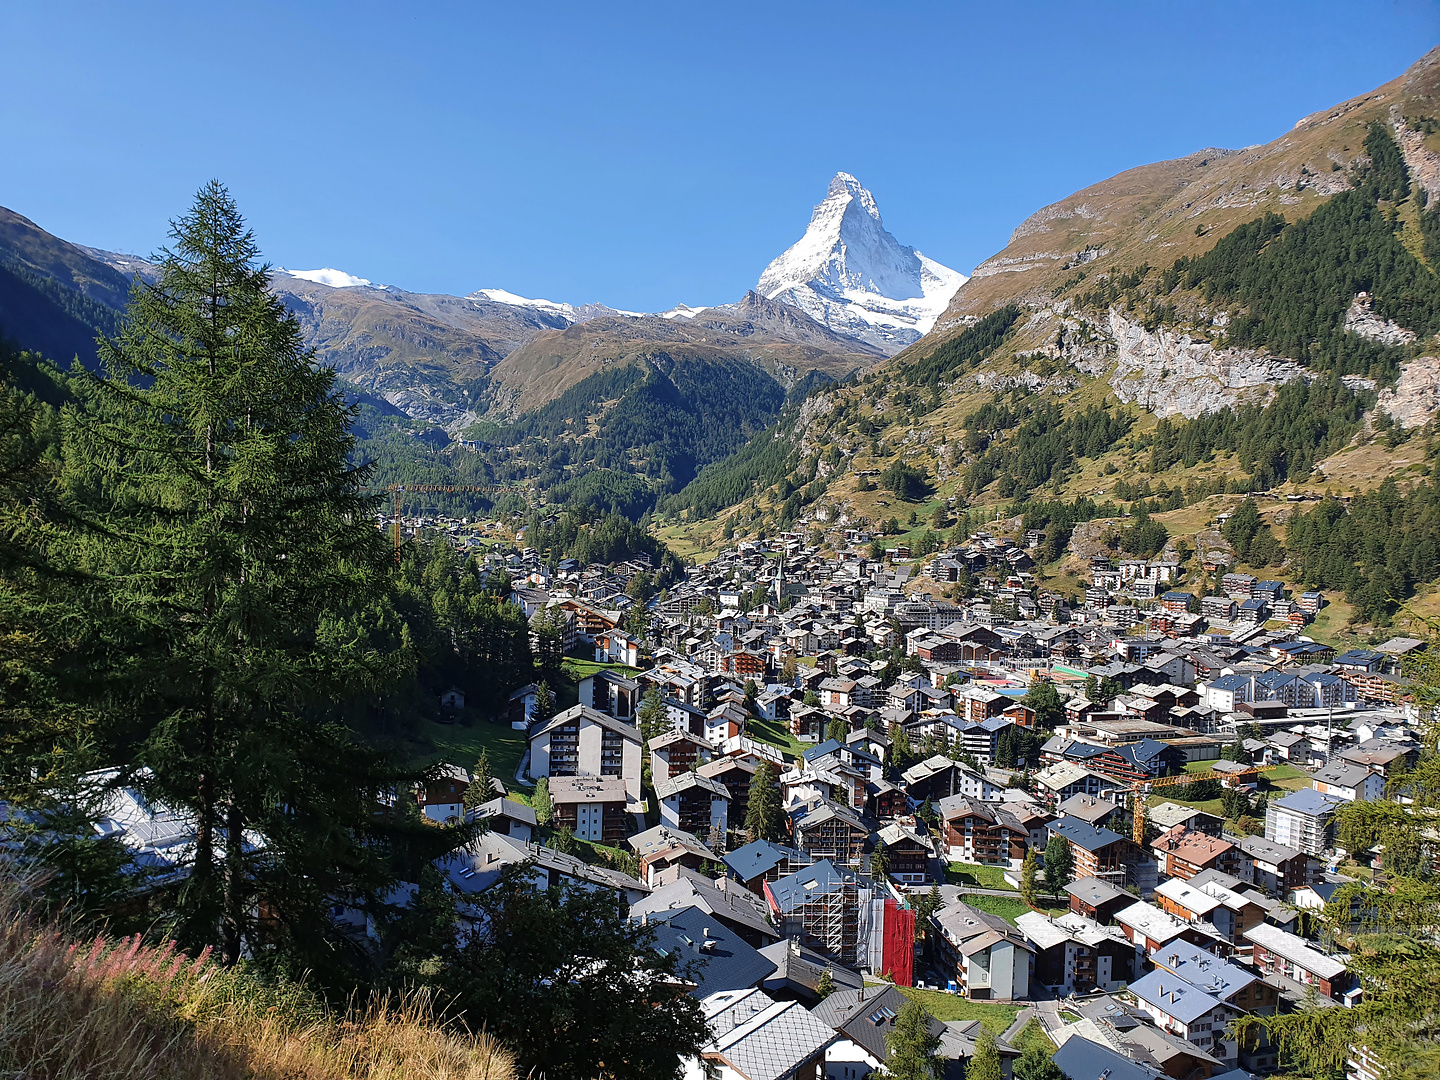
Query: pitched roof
1174,996
866,1016
819,879
754,859
1084,835
1295,949
1081,1059
691,889
1093,891
1206,970
710,953
668,786
584,712
772,1044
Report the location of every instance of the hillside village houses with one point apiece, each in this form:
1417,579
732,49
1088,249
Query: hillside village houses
907,753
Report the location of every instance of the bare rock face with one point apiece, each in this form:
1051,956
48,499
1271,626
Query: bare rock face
1360,318
1424,164
1176,374
1415,400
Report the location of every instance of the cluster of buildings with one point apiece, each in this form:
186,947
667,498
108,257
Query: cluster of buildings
898,736
901,736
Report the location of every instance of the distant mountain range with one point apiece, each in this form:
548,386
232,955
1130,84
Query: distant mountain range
842,298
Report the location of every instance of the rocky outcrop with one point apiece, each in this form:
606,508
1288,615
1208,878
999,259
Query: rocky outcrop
1177,374
1423,163
1415,400
1360,318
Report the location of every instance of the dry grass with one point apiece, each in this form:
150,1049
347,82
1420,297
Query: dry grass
106,1009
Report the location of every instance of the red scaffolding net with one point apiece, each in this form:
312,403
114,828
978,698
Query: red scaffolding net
898,955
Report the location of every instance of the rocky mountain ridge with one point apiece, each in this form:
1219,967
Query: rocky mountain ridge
850,274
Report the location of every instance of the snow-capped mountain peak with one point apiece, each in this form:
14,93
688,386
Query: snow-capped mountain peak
328,275
849,273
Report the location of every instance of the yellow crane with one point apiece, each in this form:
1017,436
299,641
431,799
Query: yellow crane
1141,788
396,490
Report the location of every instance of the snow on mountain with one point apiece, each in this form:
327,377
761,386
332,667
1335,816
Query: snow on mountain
571,312
682,311
328,275
502,296
849,273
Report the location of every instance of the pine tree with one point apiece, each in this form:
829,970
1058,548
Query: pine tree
1036,1063
1029,870
985,1065
1059,864
826,985
837,729
540,802
911,1046
544,709
237,539
478,792
651,715
880,861
764,815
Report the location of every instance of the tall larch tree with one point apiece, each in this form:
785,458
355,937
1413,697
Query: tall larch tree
236,538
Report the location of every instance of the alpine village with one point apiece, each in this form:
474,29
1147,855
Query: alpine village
1027,676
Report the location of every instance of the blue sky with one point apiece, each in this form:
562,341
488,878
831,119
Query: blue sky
639,154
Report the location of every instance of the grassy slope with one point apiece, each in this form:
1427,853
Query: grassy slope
113,1011
944,1006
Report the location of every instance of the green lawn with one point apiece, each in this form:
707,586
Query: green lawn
976,876
1007,908
1033,1034
942,1006
460,744
776,734
578,668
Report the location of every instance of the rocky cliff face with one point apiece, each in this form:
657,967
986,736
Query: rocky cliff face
1175,374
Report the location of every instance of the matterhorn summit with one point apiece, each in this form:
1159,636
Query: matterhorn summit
850,274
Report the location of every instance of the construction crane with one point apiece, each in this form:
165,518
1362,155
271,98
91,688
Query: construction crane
1141,788
396,490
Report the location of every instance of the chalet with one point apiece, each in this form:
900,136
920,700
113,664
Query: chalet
1096,899
1182,853
662,849
1214,900
910,851
1278,952
678,752
756,863
735,773
1074,954
693,803
979,832
506,817
828,830
1151,929
1098,853
442,798
1187,1011
1275,869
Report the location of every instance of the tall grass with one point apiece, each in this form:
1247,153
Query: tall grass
122,1009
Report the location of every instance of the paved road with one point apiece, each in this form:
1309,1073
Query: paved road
1047,1010
1013,1031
